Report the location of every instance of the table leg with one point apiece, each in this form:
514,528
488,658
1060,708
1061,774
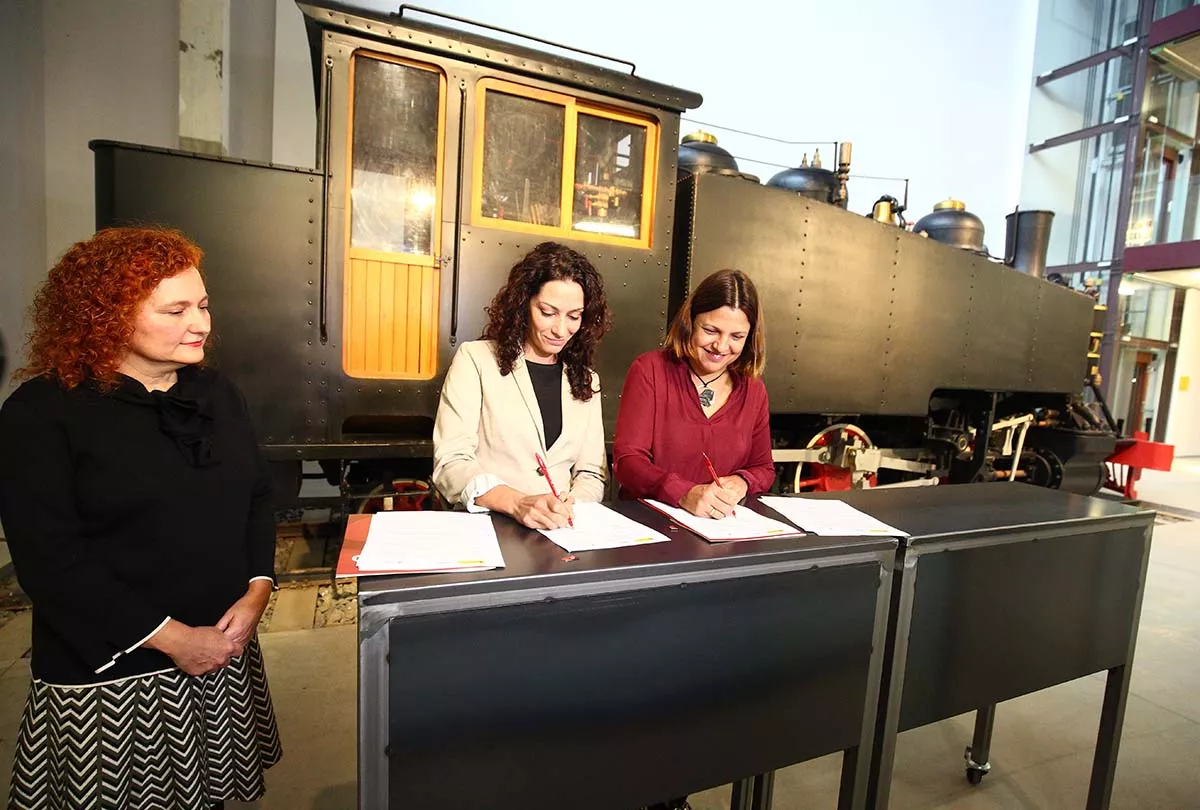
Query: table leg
980,750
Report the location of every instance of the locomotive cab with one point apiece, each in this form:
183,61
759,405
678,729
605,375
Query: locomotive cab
443,156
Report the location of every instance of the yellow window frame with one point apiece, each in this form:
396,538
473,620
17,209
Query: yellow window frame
572,108
439,170
374,345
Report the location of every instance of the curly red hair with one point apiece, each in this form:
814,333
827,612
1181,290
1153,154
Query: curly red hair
84,312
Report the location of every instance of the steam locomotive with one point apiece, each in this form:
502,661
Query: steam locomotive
341,293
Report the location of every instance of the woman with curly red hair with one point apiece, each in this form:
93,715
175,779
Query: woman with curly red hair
526,391
138,513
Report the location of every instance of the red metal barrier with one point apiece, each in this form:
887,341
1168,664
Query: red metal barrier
1132,456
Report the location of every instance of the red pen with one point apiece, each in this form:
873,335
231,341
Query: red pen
716,479
550,481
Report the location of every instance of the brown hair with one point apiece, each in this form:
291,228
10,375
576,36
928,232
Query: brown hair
724,288
508,314
84,312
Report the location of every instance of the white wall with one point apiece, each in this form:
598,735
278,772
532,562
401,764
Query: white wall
22,201
1183,426
111,72
294,139
251,78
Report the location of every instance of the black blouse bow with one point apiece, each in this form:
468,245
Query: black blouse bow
185,414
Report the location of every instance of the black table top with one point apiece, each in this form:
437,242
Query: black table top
928,514
934,514
532,560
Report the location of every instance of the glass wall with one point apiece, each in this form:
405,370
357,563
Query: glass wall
1166,187
1144,315
1081,182
1069,30
1146,309
1165,8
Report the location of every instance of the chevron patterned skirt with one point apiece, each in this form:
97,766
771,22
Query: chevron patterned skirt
167,741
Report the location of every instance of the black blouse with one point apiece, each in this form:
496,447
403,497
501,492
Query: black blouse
126,507
547,387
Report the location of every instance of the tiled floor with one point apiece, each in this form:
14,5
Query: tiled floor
1041,751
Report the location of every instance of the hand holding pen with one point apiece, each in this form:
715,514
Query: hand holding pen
553,491
717,479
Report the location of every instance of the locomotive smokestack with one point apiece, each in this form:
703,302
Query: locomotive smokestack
1027,240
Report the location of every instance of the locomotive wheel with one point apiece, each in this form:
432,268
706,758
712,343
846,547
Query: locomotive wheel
405,494
1044,469
818,477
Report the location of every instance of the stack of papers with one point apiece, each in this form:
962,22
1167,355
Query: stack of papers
429,542
830,518
597,526
744,524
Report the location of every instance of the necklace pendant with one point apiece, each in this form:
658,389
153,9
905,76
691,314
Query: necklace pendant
706,397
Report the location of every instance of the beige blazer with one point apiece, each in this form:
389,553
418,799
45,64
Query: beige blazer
489,427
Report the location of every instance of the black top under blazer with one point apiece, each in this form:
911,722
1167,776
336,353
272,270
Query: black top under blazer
126,507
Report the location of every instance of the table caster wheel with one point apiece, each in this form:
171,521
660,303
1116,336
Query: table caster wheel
975,770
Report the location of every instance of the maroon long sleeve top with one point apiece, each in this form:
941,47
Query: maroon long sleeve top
662,431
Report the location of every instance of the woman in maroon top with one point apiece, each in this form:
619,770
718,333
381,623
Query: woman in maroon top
700,394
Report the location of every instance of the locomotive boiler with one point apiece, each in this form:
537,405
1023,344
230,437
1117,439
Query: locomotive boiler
341,293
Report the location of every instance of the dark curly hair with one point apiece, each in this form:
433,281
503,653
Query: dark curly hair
84,312
508,314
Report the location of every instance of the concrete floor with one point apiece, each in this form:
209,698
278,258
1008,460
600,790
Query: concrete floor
1041,751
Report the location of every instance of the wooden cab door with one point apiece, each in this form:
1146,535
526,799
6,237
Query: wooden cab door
395,169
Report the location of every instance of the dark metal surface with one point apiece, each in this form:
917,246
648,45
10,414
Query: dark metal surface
955,227
620,700
258,226
532,561
864,318
510,32
1026,240
491,53
1005,589
936,514
995,622
326,171
807,181
679,666
1083,64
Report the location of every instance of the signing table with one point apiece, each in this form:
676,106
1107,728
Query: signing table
622,677
619,678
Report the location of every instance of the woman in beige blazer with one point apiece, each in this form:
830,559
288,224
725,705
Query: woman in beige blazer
525,390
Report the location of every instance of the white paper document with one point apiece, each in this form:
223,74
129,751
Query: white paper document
830,518
745,524
597,527
429,542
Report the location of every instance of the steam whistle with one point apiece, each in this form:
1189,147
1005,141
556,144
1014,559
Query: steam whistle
843,174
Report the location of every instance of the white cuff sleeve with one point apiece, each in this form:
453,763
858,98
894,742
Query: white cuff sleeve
476,487
136,645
